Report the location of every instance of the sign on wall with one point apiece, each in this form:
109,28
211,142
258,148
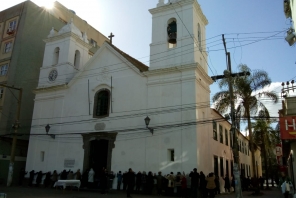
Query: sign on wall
288,127
69,163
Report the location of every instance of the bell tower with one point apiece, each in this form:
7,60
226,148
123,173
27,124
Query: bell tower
66,52
178,34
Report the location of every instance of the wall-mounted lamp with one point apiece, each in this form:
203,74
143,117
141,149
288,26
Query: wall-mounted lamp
47,127
147,121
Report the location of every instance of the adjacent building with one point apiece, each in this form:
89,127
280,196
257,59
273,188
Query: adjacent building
285,151
290,12
113,111
222,149
23,28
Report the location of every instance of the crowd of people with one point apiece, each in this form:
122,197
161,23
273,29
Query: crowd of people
89,179
180,184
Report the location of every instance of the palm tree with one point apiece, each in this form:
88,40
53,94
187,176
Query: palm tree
265,136
245,97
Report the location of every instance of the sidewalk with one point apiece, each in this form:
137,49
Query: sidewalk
33,192
272,193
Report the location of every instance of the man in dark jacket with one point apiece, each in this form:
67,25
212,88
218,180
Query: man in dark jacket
21,176
202,183
194,182
124,181
32,175
130,180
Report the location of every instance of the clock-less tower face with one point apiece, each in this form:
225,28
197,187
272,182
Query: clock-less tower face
53,75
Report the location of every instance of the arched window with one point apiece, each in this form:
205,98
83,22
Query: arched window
101,104
199,37
172,33
77,59
56,55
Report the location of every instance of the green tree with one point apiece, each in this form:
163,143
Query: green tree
267,138
245,97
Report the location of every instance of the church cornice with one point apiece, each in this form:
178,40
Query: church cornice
51,97
170,69
67,35
50,88
205,76
179,4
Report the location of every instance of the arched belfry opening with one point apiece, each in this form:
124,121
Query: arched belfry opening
172,33
56,55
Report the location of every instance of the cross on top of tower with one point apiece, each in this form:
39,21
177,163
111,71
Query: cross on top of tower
111,36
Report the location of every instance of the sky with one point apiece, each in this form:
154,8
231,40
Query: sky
254,31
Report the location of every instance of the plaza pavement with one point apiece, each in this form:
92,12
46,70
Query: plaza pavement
33,192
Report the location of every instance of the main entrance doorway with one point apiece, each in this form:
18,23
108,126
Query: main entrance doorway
98,155
98,150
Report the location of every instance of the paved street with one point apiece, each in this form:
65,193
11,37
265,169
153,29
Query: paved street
32,192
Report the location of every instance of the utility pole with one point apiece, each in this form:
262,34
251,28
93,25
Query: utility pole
229,75
15,126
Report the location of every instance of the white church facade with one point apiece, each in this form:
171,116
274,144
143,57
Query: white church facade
95,106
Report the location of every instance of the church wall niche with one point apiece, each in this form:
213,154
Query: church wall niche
199,37
77,59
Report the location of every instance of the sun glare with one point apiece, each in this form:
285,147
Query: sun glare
48,4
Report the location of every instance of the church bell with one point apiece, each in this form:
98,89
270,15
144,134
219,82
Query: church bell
172,32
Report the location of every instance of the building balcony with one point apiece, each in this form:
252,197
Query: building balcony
10,32
287,9
291,36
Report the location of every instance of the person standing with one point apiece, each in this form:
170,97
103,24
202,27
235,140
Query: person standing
70,175
138,181
233,182
211,186
202,183
159,182
226,183
144,182
150,183
119,180
91,175
84,179
171,184
184,186
194,182
110,177
78,175
54,178
178,184
130,180
21,176
31,178
103,181
217,183
39,178
124,181
64,175
47,179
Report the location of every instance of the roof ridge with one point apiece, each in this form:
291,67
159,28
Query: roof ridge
141,66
